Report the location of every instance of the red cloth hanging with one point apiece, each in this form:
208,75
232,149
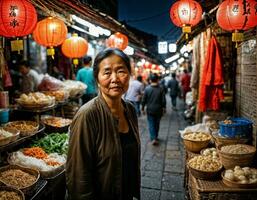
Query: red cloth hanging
211,88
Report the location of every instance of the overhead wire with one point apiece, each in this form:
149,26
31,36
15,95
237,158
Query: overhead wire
147,18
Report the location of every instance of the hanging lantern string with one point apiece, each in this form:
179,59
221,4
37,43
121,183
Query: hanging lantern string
43,7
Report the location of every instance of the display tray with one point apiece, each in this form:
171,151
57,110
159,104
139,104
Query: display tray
203,189
37,109
6,140
39,187
26,128
235,184
22,139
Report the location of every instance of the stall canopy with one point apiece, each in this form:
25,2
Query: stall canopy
65,8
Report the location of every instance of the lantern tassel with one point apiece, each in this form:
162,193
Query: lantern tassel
17,45
50,52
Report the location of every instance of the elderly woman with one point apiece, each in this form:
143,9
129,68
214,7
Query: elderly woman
104,150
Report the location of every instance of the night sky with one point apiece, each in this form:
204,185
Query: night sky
150,16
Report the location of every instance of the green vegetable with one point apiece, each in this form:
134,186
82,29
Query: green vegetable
53,143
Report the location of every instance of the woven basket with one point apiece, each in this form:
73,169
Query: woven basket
11,189
33,172
230,160
17,126
52,128
195,146
220,141
234,184
205,175
216,190
7,140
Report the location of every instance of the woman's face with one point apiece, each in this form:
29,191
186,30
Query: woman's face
113,77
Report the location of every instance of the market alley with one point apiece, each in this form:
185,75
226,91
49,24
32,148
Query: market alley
162,167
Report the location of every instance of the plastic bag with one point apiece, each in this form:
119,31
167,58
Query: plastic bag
50,83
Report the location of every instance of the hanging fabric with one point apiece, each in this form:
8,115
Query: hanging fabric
4,72
211,88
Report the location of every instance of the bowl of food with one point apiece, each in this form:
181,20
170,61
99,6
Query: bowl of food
35,100
236,155
7,192
19,177
238,177
7,136
195,141
56,124
24,127
204,167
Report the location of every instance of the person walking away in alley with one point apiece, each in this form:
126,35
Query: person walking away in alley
173,86
85,75
163,84
135,93
103,161
155,102
185,83
30,78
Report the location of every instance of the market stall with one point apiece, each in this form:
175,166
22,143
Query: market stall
220,160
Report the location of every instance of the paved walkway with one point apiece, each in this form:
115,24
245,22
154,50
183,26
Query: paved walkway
162,166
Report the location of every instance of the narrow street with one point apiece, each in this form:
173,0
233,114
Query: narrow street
162,166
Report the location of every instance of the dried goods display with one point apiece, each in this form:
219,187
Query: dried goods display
25,127
35,100
212,152
56,121
196,141
197,136
204,163
243,175
7,136
237,149
10,193
238,177
18,177
59,95
228,121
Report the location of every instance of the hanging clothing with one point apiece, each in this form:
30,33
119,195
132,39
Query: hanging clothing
211,88
194,82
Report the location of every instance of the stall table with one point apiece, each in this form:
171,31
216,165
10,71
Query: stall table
216,190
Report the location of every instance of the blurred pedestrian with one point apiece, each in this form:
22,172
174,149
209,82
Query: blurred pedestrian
85,75
103,161
30,78
155,102
163,84
174,90
135,93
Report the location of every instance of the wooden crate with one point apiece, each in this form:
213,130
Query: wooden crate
216,190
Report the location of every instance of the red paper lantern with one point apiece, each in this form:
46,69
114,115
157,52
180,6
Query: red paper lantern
17,18
117,40
74,47
185,14
237,15
50,32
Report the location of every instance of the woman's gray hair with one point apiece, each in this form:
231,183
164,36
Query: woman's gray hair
105,54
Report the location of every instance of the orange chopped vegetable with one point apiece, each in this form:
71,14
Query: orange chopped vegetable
52,163
36,152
